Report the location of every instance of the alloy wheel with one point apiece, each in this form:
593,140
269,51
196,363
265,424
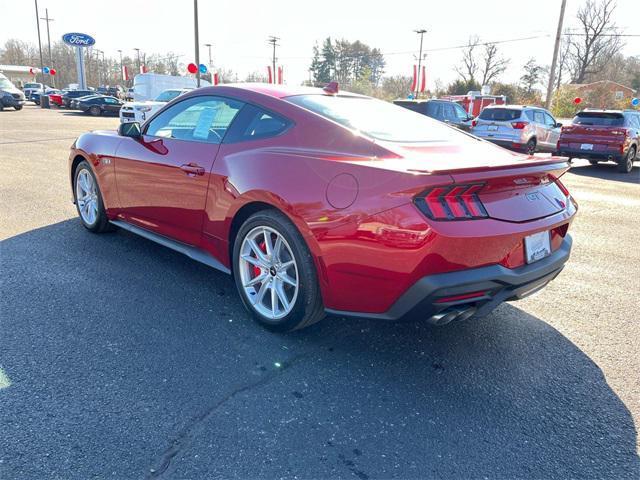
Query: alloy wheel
268,272
87,196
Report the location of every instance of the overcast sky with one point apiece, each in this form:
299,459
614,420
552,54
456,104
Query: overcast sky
238,29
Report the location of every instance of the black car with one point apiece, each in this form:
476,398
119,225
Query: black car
100,105
10,96
71,94
111,91
443,110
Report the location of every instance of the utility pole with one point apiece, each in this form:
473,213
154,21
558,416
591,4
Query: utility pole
47,19
197,41
421,31
121,68
138,53
273,41
40,48
208,45
554,61
98,67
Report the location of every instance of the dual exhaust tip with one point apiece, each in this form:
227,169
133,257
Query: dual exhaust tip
450,314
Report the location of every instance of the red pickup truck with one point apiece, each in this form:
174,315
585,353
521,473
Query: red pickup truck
603,135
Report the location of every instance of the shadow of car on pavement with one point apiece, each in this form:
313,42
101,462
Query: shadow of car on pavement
128,358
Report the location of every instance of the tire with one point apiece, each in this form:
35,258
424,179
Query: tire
304,299
530,148
593,162
95,111
18,107
98,223
625,164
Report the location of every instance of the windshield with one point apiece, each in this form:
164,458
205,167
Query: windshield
605,119
500,114
32,85
167,95
376,119
4,83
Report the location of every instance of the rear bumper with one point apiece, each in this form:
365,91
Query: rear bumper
430,298
510,144
611,155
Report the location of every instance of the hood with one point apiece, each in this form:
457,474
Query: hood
145,103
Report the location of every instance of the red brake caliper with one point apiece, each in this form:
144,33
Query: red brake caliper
256,269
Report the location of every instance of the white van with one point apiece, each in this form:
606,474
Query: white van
147,86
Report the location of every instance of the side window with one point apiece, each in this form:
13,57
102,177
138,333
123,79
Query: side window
449,112
110,100
548,120
538,117
634,121
198,119
254,123
433,110
529,114
460,112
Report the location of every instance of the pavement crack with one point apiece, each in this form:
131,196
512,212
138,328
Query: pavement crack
182,438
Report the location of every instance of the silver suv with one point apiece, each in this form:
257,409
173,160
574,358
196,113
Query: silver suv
518,127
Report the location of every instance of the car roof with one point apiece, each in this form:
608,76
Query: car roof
276,91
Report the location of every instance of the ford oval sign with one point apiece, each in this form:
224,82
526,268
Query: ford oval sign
78,39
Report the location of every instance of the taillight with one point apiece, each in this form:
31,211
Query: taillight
474,122
457,202
519,125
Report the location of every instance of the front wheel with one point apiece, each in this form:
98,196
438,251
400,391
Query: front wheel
95,111
88,200
18,107
625,165
593,162
531,146
275,274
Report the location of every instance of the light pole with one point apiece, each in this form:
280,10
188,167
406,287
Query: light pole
47,19
197,41
421,31
40,49
98,67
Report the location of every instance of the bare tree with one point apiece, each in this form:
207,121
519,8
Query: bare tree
563,60
591,49
469,69
493,64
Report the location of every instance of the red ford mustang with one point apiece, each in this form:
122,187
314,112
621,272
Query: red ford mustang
324,202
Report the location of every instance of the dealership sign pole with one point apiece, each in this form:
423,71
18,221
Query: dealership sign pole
80,41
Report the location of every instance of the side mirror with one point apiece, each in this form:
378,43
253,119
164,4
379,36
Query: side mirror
130,129
558,125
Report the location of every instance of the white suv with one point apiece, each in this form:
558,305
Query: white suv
140,111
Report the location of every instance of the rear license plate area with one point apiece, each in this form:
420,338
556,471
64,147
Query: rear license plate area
537,246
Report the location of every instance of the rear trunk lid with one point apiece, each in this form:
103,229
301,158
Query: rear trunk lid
498,123
515,187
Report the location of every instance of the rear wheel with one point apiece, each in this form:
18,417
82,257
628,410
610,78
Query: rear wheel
531,146
593,162
18,107
89,200
625,164
275,274
95,111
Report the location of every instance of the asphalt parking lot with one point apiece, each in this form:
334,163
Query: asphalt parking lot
122,359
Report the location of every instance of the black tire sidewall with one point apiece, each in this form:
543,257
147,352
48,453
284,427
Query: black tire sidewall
95,111
533,142
308,296
101,218
626,163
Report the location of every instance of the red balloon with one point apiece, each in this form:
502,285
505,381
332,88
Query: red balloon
577,100
52,71
192,68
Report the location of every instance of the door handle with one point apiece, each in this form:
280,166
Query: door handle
192,168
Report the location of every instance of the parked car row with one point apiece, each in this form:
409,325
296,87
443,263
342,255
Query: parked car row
597,135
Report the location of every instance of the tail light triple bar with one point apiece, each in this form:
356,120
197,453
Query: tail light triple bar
452,202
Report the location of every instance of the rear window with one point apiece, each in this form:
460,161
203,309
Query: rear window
500,114
376,119
603,119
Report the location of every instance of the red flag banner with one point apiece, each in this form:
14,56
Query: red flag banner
280,75
423,80
216,79
143,68
414,84
270,74
125,73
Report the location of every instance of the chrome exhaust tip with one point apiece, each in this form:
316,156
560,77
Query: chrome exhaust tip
451,314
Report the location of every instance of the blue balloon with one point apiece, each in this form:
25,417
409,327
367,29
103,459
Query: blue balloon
635,102
203,68
45,70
